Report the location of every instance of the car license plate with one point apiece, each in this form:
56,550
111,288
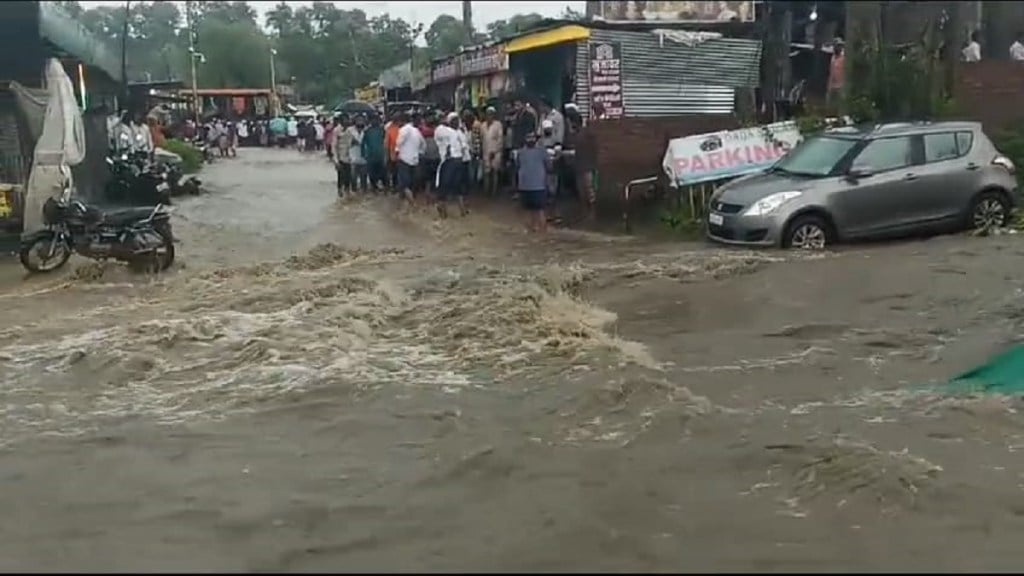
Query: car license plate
715,219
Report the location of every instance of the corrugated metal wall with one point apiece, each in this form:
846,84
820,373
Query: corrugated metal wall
13,164
670,79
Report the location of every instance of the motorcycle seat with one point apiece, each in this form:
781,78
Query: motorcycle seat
127,216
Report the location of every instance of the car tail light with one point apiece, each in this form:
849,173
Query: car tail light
1004,162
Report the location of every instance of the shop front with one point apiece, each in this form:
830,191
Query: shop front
543,63
445,76
484,75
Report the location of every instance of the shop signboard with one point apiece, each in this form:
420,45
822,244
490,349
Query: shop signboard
484,61
445,70
367,94
606,80
728,154
693,11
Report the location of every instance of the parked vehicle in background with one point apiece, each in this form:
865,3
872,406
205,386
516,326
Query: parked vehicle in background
865,182
410,107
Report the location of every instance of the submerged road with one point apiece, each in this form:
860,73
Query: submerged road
321,386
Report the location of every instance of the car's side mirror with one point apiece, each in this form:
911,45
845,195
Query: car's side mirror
859,172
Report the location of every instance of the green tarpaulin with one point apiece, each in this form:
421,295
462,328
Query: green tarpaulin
1002,374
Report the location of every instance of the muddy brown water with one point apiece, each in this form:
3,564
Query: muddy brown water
324,387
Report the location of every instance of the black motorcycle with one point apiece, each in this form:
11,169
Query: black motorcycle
140,236
135,180
178,183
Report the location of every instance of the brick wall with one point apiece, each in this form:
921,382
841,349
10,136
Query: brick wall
991,92
633,148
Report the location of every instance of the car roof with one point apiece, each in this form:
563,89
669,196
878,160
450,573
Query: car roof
870,131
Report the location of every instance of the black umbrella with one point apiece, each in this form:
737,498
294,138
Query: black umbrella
353,107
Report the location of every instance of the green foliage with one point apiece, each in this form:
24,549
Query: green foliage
682,222
1010,142
325,51
191,157
521,22
890,83
810,124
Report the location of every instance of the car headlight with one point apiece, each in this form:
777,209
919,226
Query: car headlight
769,204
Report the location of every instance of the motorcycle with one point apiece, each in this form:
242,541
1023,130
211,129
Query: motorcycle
178,183
140,236
135,180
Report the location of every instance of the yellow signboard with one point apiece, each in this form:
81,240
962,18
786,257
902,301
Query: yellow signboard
677,11
368,94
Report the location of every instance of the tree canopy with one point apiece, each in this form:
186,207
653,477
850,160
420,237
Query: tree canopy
324,51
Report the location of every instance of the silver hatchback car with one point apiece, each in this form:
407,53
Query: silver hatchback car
868,182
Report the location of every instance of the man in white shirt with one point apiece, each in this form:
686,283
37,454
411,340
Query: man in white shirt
319,129
243,132
972,52
408,147
450,144
1017,50
549,113
142,137
293,130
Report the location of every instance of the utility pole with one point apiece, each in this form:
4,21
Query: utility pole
467,19
192,58
124,53
273,83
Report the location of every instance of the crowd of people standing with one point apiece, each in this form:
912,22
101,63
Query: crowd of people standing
444,158
531,150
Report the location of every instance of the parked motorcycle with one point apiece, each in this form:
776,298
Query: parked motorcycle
140,236
178,183
135,180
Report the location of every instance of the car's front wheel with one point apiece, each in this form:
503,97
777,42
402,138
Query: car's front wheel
809,232
990,209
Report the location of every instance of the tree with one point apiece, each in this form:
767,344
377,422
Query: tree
236,56
445,36
504,28
230,12
569,14
329,51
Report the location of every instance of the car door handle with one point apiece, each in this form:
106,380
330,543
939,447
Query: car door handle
973,166
910,177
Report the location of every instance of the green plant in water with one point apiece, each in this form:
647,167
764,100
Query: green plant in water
191,157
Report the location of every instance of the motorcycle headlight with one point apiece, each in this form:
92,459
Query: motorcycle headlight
771,203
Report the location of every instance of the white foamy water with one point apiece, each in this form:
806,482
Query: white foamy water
209,345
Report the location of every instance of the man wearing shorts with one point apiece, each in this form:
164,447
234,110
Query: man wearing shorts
532,168
408,146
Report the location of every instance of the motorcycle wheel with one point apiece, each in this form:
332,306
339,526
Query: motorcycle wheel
166,250
161,259
39,247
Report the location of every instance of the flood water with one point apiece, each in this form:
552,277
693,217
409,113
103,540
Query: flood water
320,386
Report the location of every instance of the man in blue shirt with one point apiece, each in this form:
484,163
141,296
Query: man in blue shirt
532,167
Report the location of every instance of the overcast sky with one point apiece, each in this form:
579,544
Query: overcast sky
426,11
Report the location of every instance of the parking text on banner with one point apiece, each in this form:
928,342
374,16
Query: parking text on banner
729,153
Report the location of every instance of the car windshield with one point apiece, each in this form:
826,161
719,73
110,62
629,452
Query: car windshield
816,156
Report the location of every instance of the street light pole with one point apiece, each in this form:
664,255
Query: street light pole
273,83
192,59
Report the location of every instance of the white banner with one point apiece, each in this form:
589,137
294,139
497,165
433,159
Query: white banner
729,153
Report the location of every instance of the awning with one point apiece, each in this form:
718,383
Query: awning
568,33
